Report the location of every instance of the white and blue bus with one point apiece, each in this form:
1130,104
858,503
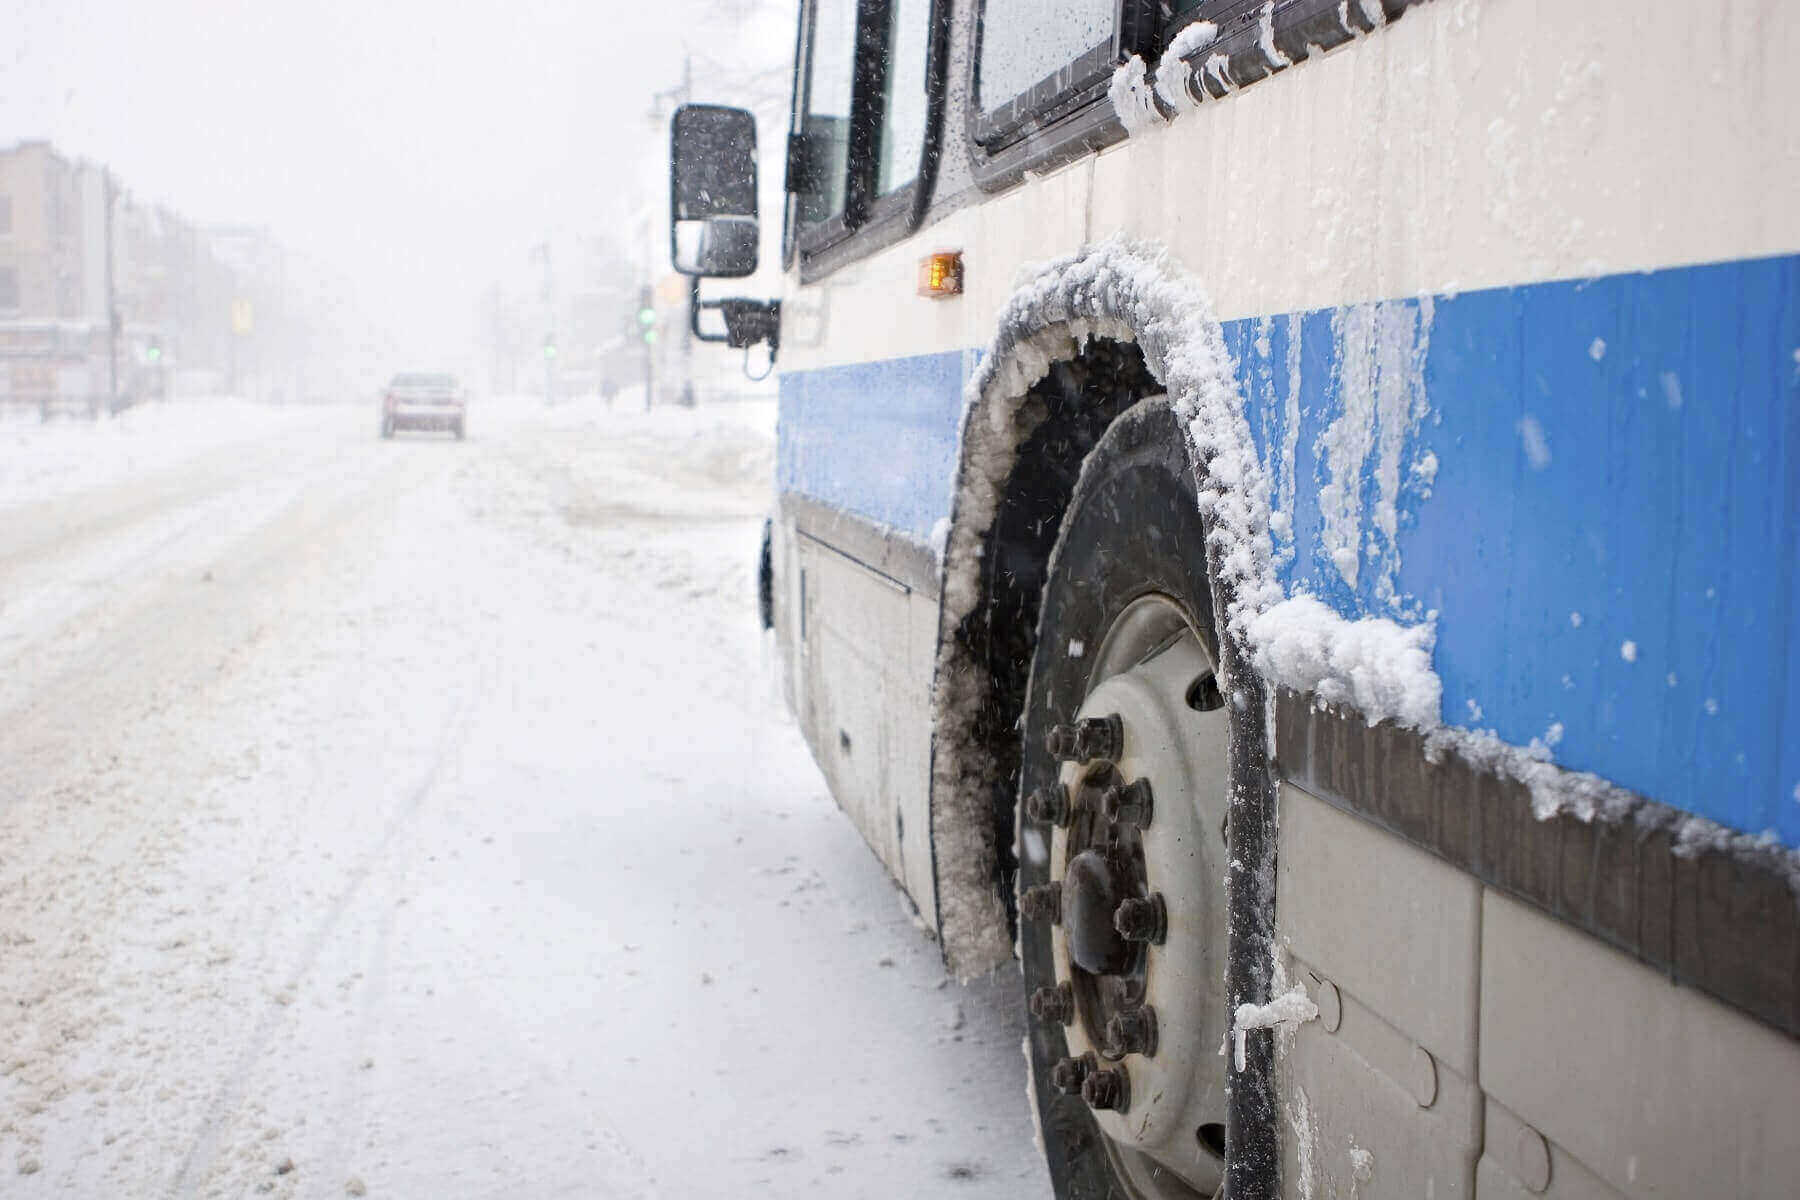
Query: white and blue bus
1288,524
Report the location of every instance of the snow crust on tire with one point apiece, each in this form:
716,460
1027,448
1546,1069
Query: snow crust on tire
1128,291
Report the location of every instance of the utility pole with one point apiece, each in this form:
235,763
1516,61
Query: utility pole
646,331
686,336
549,327
672,98
496,335
111,193
646,328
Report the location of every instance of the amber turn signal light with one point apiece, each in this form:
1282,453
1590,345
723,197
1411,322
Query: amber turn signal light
941,274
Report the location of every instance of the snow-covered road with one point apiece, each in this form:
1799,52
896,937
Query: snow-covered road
422,819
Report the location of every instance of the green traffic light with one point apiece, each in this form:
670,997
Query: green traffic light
549,350
650,337
646,316
154,353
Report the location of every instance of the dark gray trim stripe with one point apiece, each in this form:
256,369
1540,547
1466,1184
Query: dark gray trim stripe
1724,921
1299,27
893,556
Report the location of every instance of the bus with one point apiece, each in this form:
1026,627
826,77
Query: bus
1287,526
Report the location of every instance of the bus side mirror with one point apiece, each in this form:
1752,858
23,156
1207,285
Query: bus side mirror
712,191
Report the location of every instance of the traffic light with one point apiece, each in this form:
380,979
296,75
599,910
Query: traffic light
549,348
153,352
646,316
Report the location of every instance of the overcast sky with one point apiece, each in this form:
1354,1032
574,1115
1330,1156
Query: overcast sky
417,146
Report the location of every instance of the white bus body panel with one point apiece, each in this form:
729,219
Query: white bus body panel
1472,144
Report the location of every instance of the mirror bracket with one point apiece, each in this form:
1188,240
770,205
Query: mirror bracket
747,322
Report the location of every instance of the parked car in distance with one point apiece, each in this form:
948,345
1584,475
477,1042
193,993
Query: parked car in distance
424,400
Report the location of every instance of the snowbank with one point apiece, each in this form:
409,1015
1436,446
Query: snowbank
45,461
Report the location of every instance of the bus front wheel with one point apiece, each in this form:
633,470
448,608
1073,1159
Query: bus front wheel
1121,831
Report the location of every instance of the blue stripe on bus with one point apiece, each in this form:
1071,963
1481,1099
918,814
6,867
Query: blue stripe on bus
1617,461
876,439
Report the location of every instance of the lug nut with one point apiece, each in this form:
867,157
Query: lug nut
1128,804
1042,903
1142,920
1132,1031
1049,804
1054,1003
1107,1089
1069,1073
1087,739
1100,737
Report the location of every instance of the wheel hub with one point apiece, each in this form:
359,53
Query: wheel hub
1091,892
1137,856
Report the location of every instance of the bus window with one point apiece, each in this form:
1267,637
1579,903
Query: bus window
1024,42
831,66
903,96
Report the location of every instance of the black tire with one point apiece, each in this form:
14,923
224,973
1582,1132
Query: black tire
458,430
765,578
1133,527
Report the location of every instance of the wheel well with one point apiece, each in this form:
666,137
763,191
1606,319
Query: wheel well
1078,398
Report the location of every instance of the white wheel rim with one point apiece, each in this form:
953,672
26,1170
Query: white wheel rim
1143,672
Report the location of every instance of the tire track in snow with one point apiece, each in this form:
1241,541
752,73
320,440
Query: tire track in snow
151,650
110,588
49,529
354,1104
230,1093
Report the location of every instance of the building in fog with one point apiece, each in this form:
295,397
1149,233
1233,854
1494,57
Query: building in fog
50,209
106,300
52,276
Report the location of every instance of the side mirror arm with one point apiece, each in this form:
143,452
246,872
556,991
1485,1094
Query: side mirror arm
747,322
695,304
